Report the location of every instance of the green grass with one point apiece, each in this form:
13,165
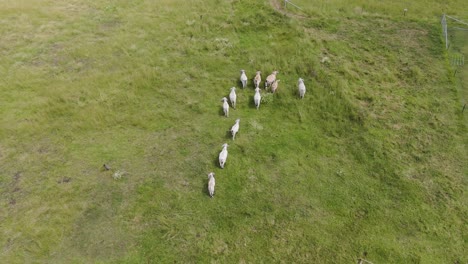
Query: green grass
372,161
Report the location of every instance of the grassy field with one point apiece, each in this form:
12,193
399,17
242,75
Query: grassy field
372,163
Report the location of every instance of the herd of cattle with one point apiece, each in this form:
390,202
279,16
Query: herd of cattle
270,82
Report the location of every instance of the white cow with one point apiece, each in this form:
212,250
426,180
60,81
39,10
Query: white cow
235,129
223,156
257,79
225,107
243,79
211,184
270,79
301,87
257,97
233,97
274,86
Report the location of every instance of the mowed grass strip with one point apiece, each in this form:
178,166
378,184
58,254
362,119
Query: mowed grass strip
371,160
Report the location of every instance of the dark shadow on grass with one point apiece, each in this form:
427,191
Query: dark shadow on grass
252,84
228,134
295,93
216,161
252,102
221,111
239,83
204,185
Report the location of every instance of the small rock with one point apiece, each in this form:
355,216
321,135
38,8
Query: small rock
117,175
325,60
106,167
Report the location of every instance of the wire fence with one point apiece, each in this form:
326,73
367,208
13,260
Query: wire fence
445,30
455,34
286,2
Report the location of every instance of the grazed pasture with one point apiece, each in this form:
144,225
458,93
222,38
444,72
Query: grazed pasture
371,163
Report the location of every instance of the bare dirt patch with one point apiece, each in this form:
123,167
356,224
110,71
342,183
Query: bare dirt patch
412,37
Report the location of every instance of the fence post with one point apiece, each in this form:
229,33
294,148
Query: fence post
444,30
